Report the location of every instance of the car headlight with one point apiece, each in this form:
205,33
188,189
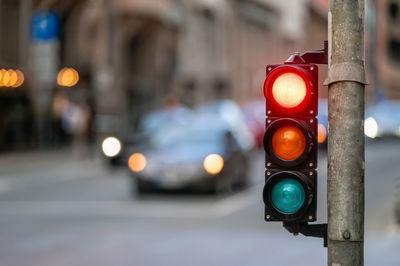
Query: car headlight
137,162
213,164
111,146
371,127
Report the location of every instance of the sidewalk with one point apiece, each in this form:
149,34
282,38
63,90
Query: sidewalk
23,161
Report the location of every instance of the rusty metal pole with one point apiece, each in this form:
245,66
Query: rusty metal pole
346,82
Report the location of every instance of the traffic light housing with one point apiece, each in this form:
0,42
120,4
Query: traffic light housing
290,142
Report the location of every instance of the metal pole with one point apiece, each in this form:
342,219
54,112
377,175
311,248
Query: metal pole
346,81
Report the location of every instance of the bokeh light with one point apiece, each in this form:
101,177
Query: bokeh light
213,164
67,77
20,78
111,146
371,127
11,78
322,133
137,162
5,77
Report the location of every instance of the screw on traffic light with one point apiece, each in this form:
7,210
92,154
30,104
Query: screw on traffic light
290,142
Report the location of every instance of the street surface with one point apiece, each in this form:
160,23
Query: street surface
61,208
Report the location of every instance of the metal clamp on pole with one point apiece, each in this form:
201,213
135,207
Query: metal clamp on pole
310,57
346,71
314,230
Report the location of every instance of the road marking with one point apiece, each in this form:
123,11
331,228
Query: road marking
239,201
393,228
50,176
145,209
4,185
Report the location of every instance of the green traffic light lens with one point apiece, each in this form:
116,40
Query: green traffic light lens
288,195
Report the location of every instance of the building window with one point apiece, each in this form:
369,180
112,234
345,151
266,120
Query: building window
394,50
258,14
393,10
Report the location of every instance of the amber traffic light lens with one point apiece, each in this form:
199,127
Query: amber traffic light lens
288,142
289,90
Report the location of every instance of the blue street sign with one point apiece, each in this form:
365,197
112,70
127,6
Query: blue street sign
45,25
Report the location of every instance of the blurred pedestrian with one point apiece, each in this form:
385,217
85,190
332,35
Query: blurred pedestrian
59,106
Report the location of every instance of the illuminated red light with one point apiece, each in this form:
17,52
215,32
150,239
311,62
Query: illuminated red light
289,90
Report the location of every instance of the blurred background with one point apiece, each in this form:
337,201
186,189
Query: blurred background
131,131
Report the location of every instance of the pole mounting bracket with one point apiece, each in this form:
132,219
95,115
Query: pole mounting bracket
310,57
314,230
346,71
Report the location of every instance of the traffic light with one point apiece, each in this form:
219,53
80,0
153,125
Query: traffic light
290,142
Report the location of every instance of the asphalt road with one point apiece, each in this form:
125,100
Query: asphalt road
62,208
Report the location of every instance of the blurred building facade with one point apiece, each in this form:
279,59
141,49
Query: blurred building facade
387,38
145,54
137,56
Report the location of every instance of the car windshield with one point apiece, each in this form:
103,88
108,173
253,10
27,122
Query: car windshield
187,137
385,111
161,118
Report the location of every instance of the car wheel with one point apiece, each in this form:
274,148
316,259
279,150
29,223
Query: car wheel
243,178
222,185
397,205
140,186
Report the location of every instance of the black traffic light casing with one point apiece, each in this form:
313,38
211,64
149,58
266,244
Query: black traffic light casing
308,212
308,160
302,168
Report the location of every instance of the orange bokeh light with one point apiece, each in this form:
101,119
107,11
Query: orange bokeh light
288,142
289,90
4,77
13,78
322,133
20,78
137,162
67,77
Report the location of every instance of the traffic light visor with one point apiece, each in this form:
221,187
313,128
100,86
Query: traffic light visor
288,142
288,195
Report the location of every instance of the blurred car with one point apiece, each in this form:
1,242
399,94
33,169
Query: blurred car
254,113
204,155
383,119
179,115
397,205
230,112
117,149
